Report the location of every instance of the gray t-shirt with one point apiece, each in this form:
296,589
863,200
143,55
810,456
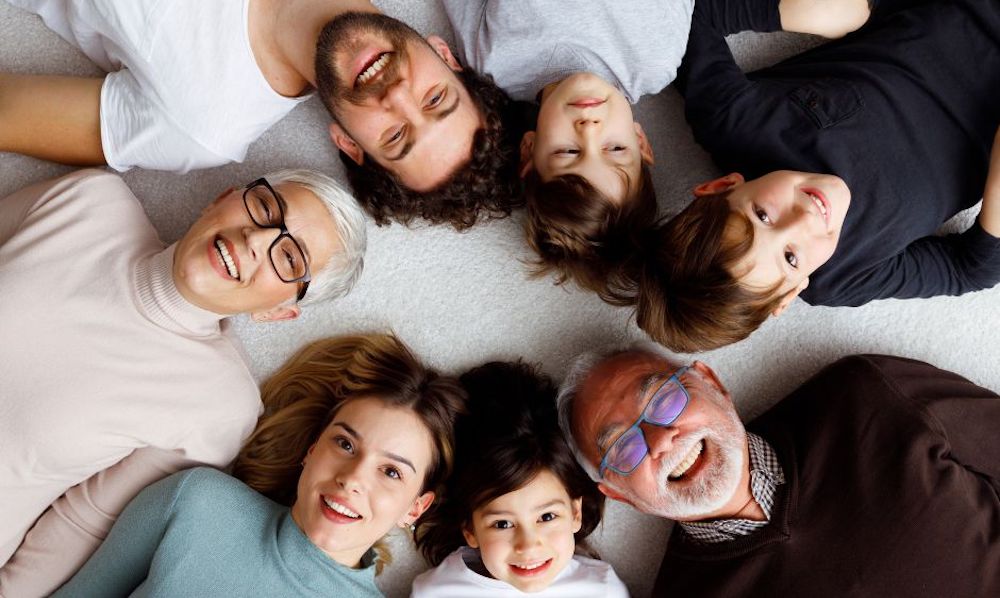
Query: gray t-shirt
527,44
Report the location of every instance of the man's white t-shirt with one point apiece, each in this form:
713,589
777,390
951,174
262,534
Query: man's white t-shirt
453,578
183,90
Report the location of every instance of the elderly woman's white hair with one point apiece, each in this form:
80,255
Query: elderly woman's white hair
579,370
344,267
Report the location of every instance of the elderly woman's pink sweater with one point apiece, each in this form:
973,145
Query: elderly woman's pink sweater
104,368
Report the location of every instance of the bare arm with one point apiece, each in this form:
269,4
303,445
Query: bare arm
828,18
70,531
52,117
989,214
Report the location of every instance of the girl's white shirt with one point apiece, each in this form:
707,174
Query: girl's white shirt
454,578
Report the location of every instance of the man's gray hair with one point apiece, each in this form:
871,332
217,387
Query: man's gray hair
344,267
579,370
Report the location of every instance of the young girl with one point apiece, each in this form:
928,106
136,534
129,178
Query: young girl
518,506
355,438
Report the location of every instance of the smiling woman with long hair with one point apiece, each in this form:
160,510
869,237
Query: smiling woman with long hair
355,439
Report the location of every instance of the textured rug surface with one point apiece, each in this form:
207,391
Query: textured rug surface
461,299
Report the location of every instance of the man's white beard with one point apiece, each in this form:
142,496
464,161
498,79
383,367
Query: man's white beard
717,480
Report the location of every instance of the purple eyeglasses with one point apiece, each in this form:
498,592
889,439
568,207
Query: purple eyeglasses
663,409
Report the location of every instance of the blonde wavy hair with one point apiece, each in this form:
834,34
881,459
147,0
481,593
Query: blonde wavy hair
302,398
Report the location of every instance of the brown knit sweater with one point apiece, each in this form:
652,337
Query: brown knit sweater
893,489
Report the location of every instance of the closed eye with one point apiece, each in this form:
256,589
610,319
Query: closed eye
566,151
396,136
436,99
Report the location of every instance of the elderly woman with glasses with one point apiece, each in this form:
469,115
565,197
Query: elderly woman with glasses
116,370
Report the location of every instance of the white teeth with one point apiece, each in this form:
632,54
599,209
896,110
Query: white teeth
688,461
227,259
341,508
819,203
531,566
375,68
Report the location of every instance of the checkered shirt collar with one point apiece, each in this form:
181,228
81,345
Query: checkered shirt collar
765,477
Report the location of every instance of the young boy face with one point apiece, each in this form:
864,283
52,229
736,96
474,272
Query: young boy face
797,219
585,127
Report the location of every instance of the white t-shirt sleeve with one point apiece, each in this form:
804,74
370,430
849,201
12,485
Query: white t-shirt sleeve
137,132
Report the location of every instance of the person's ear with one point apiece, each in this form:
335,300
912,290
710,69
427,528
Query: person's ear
645,148
711,377
723,183
441,47
577,504
613,494
470,538
789,297
346,143
277,314
527,153
420,504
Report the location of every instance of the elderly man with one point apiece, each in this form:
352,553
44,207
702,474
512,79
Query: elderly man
116,370
191,84
878,477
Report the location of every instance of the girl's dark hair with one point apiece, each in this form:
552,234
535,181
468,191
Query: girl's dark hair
508,437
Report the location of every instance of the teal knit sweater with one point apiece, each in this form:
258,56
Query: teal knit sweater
201,532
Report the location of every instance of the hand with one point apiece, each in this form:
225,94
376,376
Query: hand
828,18
989,214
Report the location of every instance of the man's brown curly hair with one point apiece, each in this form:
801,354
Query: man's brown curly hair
486,186
584,236
686,296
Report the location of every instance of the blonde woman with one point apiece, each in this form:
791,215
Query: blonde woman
355,439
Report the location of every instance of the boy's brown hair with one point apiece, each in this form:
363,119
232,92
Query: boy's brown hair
686,296
584,236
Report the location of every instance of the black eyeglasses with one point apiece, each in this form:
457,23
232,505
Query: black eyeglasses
266,210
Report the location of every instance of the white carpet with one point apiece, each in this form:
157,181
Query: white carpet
462,299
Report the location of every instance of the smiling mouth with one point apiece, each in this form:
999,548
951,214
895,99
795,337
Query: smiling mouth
684,466
820,202
227,260
340,509
587,103
530,568
373,69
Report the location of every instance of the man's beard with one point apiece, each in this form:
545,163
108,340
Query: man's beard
716,481
346,34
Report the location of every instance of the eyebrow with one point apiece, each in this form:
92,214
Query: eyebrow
551,503
438,117
610,431
392,456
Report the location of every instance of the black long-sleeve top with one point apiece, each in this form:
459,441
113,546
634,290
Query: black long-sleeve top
892,488
904,110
